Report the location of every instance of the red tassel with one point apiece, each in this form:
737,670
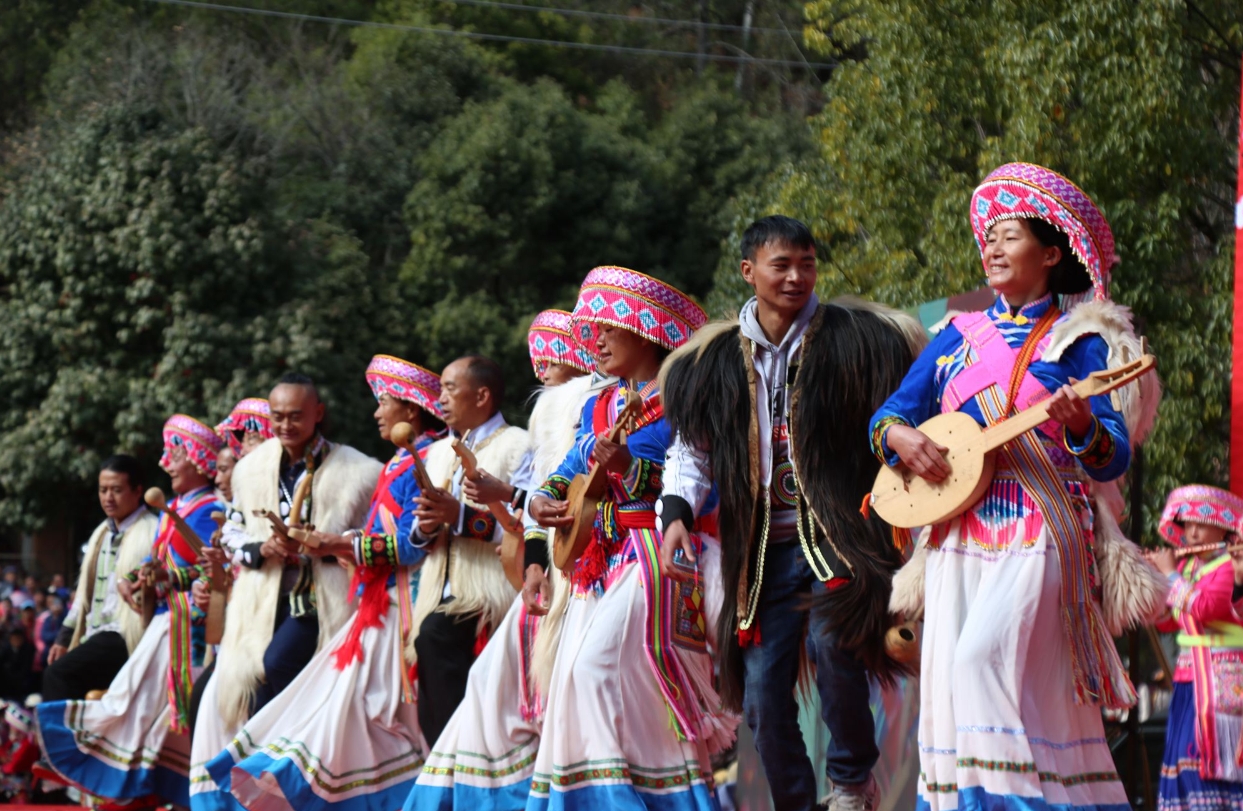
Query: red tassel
866,507
749,636
481,641
372,607
836,583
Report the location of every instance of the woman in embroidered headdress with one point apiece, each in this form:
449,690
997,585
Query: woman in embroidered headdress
1017,654
631,717
1203,765
247,427
345,733
132,743
484,758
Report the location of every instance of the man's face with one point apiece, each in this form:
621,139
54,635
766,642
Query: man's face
116,497
295,410
784,276
464,405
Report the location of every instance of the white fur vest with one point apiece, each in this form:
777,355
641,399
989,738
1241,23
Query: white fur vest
473,568
136,544
340,496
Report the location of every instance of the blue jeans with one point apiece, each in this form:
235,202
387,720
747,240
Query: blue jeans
771,672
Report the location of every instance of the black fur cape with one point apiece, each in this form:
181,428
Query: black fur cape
853,356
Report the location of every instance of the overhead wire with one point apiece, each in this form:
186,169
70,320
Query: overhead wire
488,37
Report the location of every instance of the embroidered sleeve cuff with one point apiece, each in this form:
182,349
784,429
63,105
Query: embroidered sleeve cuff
181,578
478,524
375,550
641,479
1096,450
675,508
880,449
556,488
536,549
1180,591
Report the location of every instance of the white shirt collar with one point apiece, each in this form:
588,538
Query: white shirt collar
489,427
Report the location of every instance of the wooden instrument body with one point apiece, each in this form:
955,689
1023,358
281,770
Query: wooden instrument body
513,546
906,500
585,492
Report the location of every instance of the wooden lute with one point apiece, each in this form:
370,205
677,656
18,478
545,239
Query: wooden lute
293,531
906,500
512,543
585,493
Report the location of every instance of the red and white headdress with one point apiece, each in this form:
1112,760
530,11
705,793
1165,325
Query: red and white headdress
250,416
200,442
1027,191
1201,504
634,301
550,342
405,381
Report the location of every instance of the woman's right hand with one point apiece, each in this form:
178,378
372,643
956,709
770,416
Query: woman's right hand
549,513
920,454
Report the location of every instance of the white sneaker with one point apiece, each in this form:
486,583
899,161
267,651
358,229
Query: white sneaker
854,798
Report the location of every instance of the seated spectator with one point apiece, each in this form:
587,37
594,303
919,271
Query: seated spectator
47,626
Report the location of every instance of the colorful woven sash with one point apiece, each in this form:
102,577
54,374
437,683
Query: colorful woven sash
1200,644
173,551
1099,677
660,594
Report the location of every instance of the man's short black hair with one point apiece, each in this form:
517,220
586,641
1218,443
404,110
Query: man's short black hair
776,229
130,467
485,373
298,379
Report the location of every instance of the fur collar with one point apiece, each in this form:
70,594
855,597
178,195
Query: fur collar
136,544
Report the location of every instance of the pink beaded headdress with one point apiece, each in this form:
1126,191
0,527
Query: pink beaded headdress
405,381
1028,191
1201,504
550,342
634,301
201,443
250,416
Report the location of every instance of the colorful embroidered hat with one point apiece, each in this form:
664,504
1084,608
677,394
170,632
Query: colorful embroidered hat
550,342
1027,191
636,302
250,416
405,381
1202,504
201,443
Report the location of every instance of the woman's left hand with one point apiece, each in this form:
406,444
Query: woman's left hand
612,456
1071,410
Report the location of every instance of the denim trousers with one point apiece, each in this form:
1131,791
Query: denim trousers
771,674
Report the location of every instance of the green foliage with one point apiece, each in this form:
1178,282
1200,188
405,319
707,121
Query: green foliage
143,275
523,194
1137,104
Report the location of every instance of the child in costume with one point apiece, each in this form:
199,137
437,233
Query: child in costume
345,733
1203,764
631,716
1017,652
484,758
133,743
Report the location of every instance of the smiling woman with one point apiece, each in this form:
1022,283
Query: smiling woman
1016,651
